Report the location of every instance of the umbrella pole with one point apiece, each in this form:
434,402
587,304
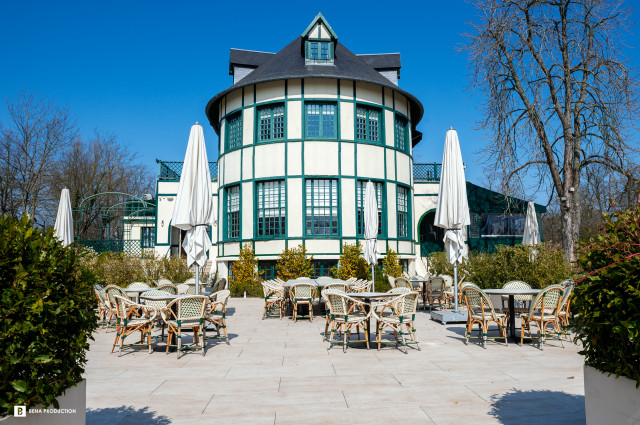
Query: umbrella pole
373,275
197,280
455,290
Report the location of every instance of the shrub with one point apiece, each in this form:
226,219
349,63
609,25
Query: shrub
351,264
606,301
390,267
293,263
492,270
245,274
48,315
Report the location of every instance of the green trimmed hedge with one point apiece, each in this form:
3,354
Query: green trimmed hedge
606,300
47,315
492,270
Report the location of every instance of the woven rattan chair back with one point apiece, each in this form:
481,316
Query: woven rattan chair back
168,287
190,280
163,281
182,288
361,286
398,291
220,296
188,308
101,294
337,302
113,290
338,286
435,285
158,305
566,294
352,279
406,304
402,282
138,285
219,285
547,302
478,303
517,284
302,291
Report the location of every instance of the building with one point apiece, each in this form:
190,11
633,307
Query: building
301,133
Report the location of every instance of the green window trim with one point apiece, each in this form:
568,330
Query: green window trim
319,51
321,207
267,269
403,211
323,267
401,135
382,211
321,120
270,122
232,213
270,209
368,124
147,237
233,133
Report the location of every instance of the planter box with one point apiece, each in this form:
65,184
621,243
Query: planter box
610,400
72,411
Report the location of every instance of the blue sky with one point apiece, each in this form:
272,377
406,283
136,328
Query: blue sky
144,70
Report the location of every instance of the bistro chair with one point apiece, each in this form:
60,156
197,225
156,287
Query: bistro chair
480,310
302,294
273,299
361,286
435,291
402,282
183,288
186,312
138,285
112,291
133,317
217,314
190,280
543,312
522,299
564,313
163,281
103,305
159,306
346,312
401,313
220,285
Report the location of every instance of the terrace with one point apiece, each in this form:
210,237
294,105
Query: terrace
281,372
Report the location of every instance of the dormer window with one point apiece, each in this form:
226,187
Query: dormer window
319,51
319,42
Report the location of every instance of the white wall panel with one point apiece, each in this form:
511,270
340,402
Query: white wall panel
269,160
294,88
368,92
247,210
370,161
273,90
320,158
294,207
348,213
294,120
294,158
234,100
232,166
269,247
327,246
320,87
347,161
346,121
247,126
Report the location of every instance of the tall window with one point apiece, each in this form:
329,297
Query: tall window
271,122
234,131
321,207
403,211
368,124
233,212
401,136
502,224
271,208
267,269
360,189
147,237
323,267
321,120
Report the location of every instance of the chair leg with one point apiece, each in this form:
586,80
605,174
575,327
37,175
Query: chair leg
179,340
345,334
169,335
115,342
366,334
326,328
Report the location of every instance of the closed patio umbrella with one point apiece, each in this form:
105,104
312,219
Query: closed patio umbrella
371,228
452,211
63,228
194,209
531,235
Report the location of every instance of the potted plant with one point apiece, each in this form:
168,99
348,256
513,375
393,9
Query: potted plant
606,304
47,317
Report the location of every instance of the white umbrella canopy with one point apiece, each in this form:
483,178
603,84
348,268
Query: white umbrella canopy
194,209
370,227
531,234
63,228
452,211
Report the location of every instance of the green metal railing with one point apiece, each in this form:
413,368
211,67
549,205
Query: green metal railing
133,247
427,172
171,170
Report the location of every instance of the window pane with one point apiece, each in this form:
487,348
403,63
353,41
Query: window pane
314,50
233,212
265,124
373,125
361,123
400,133
278,122
321,207
403,212
328,121
501,225
360,191
271,208
324,53
234,131
313,120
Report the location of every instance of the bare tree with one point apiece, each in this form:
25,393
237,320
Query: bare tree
559,94
38,133
100,165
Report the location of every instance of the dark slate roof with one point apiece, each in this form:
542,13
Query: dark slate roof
289,63
249,58
382,60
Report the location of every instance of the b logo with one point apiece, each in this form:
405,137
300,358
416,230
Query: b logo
20,411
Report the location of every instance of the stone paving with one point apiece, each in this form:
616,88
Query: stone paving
279,372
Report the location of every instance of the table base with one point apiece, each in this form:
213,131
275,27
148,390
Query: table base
446,316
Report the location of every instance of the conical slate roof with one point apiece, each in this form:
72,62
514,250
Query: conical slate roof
290,63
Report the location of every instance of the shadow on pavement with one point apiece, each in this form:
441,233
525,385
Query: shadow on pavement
538,407
125,415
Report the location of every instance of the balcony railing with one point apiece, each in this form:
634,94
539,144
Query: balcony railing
427,172
171,170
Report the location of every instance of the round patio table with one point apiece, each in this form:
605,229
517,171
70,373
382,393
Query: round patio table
290,282
414,282
136,291
512,293
367,297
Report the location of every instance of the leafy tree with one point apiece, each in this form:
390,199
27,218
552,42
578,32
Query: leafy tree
559,96
391,264
293,263
351,264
